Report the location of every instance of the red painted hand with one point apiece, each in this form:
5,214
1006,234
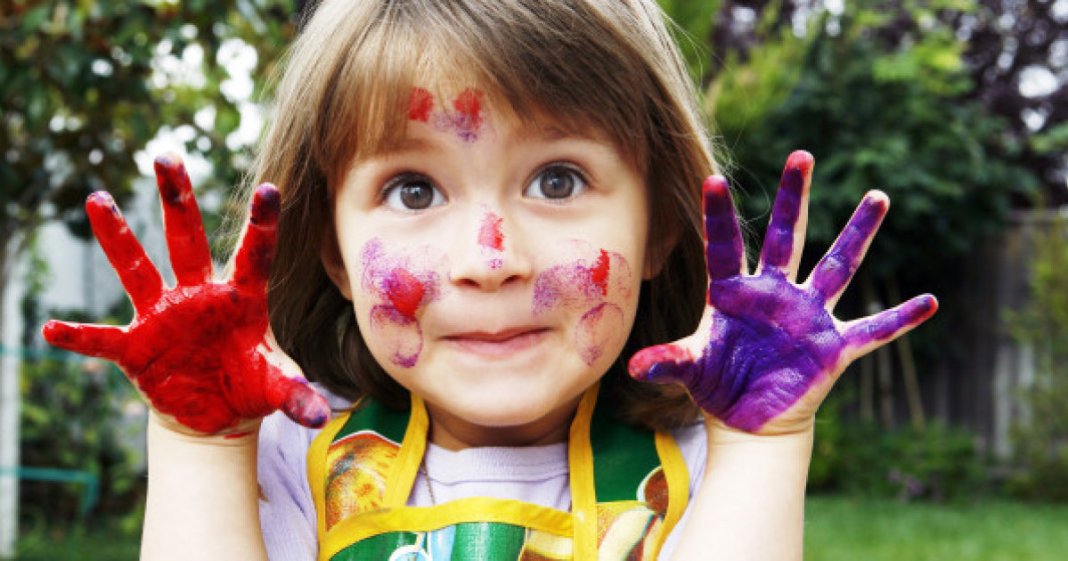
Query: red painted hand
769,348
198,352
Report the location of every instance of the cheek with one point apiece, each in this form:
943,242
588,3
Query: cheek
395,286
603,276
599,292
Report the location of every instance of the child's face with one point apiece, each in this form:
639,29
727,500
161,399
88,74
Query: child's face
494,268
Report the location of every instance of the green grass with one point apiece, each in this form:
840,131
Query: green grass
836,529
110,540
844,529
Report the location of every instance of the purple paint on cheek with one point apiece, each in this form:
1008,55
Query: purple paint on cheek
401,333
402,291
583,282
599,329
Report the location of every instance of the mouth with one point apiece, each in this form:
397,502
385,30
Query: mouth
498,343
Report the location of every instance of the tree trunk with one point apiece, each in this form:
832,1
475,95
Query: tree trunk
908,369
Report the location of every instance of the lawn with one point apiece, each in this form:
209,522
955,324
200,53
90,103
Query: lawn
843,529
836,529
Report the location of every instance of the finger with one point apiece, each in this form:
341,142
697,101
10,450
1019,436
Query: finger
104,341
832,274
298,400
662,364
253,261
865,335
723,245
789,216
136,272
184,228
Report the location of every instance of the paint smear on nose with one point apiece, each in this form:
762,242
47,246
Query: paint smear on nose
490,234
404,291
420,104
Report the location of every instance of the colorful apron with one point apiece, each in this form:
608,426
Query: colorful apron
629,487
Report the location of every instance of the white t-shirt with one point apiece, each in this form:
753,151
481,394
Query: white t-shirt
537,474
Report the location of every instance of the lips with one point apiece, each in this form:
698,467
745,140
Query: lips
498,343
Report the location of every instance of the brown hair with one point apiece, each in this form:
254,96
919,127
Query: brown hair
609,64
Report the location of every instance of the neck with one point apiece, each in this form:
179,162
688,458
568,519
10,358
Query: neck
453,433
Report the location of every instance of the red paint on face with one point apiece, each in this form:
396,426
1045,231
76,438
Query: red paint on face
404,291
420,104
468,106
599,272
490,235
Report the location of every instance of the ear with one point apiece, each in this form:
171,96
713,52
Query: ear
333,264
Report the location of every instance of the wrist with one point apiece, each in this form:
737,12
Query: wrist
721,433
162,428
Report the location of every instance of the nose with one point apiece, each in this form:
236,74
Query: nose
489,252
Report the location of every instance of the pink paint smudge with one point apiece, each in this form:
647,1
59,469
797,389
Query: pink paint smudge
583,284
402,291
601,327
490,234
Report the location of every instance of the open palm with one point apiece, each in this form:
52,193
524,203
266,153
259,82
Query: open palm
769,349
198,351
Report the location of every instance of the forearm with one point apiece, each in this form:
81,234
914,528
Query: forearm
751,502
202,498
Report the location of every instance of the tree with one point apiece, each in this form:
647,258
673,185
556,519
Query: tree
85,85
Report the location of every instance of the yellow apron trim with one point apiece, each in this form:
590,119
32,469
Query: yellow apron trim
402,473
425,519
678,482
316,469
583,492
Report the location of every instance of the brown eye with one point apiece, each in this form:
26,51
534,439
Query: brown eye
414,193
556,182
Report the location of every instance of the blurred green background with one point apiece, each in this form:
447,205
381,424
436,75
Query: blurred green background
950,443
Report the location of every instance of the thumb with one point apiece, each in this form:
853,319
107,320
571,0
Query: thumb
289,391
303,404
662,364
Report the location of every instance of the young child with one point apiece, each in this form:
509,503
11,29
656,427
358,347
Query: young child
486,212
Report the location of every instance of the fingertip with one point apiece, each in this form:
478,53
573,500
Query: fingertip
928,305
266,205
171,177
57,333
657,364
800,160
167,160
715,185
305,405
49,330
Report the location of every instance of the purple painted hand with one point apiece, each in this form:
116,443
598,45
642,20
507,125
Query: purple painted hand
768,350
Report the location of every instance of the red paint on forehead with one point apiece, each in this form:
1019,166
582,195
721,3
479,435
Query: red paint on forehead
420,103
599,273
469,105
490,235
404,291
